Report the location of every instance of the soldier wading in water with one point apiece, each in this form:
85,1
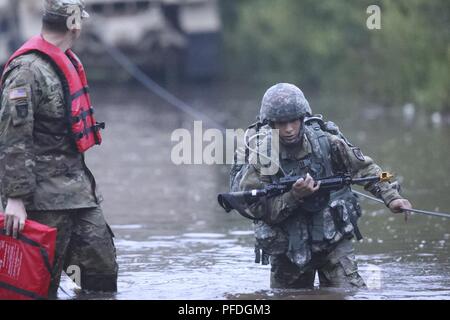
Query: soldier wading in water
300,242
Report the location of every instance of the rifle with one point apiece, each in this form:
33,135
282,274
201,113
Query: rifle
313,203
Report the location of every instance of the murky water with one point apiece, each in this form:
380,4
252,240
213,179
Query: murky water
175,242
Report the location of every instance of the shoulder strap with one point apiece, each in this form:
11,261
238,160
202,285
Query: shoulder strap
328,126
320,144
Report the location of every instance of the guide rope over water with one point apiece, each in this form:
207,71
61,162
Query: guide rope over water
164,94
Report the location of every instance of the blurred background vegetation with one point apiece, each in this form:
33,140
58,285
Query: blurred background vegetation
326,48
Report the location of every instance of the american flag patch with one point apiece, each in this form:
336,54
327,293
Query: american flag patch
18,93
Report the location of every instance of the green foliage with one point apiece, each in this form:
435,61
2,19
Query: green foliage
325,46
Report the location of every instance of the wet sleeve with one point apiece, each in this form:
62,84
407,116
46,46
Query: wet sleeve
350,159
271,210
17,158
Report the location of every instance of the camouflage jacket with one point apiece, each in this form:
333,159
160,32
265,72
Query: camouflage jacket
344,157
39,162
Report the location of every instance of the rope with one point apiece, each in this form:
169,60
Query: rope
429,213
154,87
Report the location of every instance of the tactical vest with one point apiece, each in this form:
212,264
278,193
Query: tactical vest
310,230
79,111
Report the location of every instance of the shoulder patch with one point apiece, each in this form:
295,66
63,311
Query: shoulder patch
358,154
22,110
18,93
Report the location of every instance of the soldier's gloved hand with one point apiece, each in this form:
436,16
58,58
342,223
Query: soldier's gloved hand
15,217
303,188
399,205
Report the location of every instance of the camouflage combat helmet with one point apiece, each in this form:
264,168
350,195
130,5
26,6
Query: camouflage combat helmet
284,102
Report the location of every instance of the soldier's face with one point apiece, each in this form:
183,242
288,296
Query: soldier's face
289,131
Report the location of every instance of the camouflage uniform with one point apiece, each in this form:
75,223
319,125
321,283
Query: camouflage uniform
84,240
43,169
39,163
300,243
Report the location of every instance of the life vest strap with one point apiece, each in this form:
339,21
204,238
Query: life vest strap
83,115
95,128
79,93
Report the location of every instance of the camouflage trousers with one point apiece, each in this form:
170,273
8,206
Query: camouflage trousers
336,268
84,243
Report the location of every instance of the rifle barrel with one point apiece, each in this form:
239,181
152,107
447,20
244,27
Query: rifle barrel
367,179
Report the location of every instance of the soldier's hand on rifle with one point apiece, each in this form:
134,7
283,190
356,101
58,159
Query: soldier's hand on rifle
15,217
303,188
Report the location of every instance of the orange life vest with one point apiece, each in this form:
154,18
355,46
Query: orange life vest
80,113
